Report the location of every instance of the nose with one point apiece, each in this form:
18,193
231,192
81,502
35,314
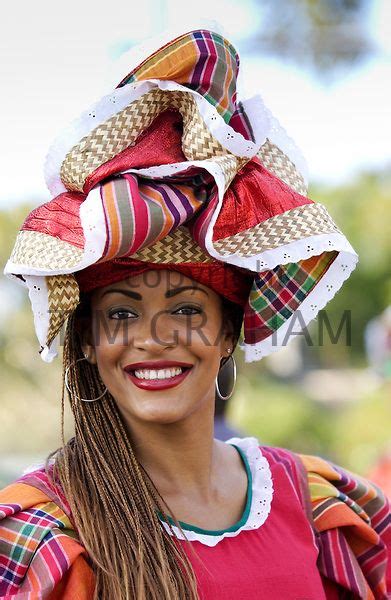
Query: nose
153,333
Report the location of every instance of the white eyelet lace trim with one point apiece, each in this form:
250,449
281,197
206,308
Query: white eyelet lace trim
262,494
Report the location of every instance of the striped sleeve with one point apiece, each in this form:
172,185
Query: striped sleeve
39,555
353,518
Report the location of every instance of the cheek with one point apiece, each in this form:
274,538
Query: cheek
210,337
206,345
110,339
110,332
108,361
204,332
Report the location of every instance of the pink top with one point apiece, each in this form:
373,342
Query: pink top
274,559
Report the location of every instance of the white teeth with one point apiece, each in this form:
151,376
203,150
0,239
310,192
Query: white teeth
157,374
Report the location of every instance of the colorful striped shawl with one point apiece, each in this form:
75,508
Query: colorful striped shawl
40,556
352,520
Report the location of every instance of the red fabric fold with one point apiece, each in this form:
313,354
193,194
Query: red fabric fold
59,218
159,144
254,196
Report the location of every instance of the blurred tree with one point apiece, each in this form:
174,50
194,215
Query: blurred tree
362,209
325,36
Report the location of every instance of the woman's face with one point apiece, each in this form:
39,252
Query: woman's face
158,316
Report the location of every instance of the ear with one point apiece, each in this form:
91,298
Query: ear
83,328
89,353
228,339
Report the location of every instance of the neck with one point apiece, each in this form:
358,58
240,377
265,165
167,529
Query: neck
179,456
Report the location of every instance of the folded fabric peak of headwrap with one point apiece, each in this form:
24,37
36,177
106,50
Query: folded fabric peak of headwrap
172,169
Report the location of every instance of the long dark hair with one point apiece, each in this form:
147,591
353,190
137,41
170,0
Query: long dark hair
114,503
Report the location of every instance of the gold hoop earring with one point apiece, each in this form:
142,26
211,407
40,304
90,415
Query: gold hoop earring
234,377
69,390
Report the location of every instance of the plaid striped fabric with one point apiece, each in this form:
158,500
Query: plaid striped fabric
37,546
278,293
141,212
351,517
205,62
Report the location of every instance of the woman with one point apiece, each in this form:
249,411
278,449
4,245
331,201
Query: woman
179,218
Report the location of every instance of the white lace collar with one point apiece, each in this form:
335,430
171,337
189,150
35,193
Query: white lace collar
259,498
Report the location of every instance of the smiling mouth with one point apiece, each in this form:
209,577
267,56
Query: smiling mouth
160,374
157,379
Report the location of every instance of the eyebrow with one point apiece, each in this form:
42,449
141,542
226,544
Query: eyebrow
168,294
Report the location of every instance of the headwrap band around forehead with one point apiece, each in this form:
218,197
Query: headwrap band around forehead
172,169
227,281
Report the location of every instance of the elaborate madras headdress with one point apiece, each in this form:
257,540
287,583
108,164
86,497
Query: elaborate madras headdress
171,169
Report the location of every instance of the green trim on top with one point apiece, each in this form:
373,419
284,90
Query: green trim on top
235,526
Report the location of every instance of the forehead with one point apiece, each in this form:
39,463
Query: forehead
164,278
156,282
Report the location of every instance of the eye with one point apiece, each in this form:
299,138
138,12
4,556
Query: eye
189,308
120,314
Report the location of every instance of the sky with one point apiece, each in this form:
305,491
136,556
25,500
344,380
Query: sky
56,59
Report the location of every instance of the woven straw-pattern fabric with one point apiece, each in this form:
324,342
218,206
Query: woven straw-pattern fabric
109,139
294,224
197,141
176,247
278,163
63,298
42,251
122,130
230,165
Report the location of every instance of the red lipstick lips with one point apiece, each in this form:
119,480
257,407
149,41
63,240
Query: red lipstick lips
157,384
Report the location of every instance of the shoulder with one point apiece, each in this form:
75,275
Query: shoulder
336,496
38,543
330,482
274,456
277,462
29,495
291,464
351,517
319,470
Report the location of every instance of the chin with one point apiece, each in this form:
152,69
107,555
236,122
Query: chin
155,410
160,417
